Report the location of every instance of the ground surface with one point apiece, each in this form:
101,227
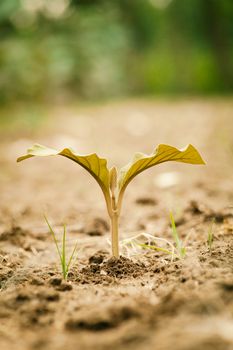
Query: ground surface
148,301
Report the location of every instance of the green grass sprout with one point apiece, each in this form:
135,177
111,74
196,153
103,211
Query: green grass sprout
179,244
65,266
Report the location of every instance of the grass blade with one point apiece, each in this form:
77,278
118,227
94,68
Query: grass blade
72,255
64,268
179,245
174,231
153,247
54,238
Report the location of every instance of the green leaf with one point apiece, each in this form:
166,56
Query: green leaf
163,153
95,165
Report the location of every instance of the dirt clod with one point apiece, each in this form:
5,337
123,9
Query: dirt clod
123,267
146,201
64,287
96,322
97,227
55,281
98,258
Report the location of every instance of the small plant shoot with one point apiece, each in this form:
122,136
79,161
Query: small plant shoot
113,183
65,265
179,244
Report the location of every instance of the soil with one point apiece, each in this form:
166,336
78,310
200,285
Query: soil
144,299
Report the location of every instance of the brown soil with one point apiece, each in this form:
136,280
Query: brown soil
140,301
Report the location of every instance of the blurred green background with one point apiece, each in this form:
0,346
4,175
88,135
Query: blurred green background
59,50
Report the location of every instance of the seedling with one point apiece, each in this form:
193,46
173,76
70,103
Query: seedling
113,184
179,244
65,266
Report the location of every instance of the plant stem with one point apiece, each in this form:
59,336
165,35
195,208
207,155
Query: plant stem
114,228
64,269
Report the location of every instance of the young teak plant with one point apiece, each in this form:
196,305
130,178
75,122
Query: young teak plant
112,183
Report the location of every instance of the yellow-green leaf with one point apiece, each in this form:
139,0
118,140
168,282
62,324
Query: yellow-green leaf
163,153
95,165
